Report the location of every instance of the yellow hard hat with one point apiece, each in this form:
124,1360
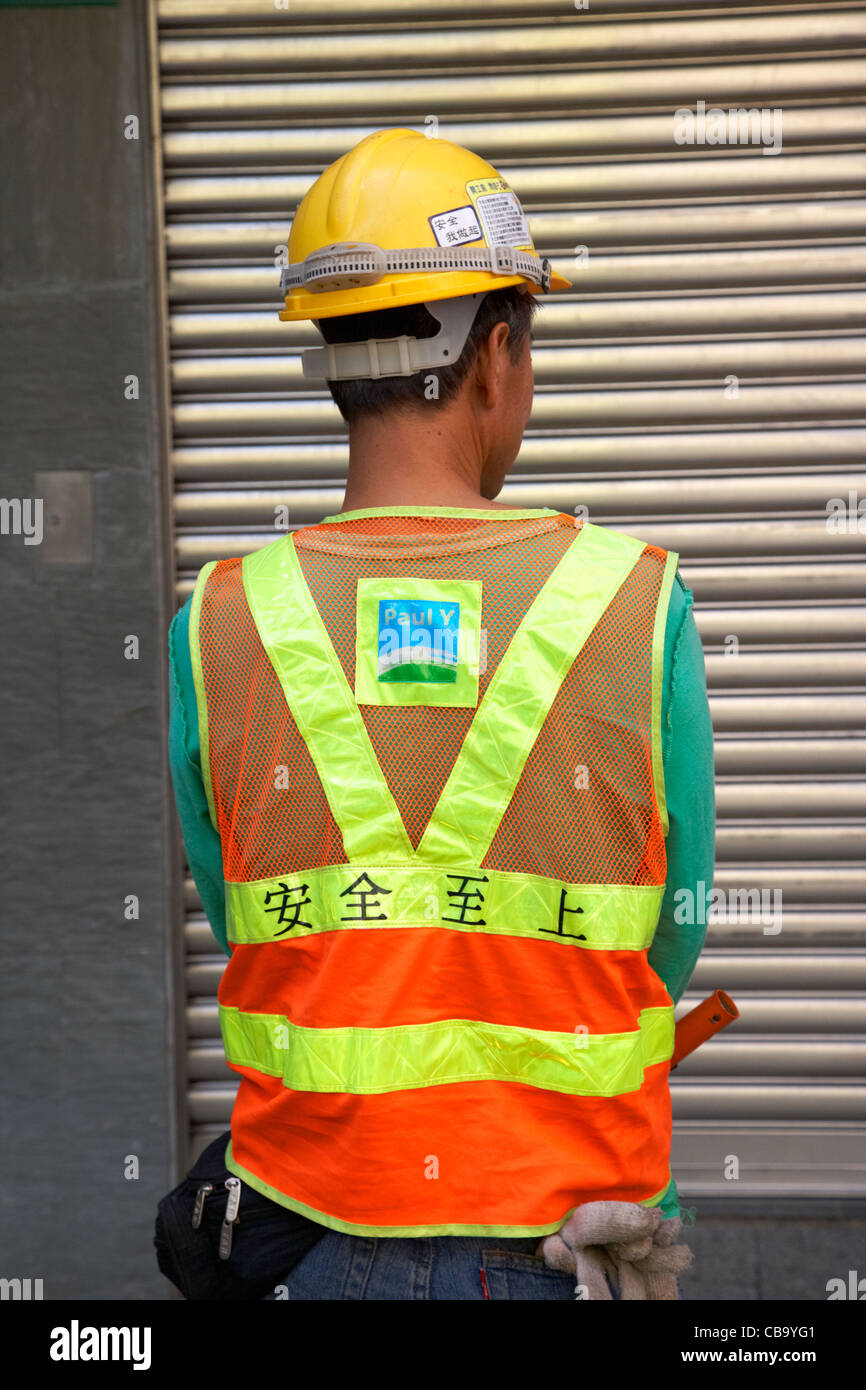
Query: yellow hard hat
405,219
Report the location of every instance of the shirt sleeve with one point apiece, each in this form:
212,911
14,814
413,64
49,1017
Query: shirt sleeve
687,761
202,842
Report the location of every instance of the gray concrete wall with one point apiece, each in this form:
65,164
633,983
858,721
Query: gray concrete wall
87,1009
756,1260
758,1250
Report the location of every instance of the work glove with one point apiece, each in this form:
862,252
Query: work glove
632,1244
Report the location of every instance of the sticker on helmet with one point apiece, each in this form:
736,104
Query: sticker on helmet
500,213
418,641
455,227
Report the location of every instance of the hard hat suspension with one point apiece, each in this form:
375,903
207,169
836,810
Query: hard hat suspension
348,264
401,356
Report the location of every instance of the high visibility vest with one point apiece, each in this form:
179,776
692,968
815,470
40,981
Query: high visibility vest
438,1001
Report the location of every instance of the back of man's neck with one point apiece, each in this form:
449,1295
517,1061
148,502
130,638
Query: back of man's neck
432,498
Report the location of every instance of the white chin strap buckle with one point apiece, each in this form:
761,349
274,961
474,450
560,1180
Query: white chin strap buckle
404,356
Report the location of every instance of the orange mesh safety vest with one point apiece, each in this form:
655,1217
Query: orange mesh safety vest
432,750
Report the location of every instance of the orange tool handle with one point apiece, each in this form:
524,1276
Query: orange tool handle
707,1018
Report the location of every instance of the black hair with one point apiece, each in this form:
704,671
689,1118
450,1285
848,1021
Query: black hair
371,397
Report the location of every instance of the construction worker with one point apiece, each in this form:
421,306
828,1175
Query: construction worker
441,764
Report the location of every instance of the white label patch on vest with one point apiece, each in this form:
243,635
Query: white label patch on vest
455,227
418,642
500,213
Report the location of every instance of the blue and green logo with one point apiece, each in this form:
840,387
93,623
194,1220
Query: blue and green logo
418,641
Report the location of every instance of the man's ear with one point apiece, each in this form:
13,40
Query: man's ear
488,362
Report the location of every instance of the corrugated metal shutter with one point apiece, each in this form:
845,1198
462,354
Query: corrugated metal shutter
705,264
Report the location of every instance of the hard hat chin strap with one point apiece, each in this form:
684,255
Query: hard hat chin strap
403,356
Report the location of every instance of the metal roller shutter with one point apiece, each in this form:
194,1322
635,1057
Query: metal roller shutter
702,386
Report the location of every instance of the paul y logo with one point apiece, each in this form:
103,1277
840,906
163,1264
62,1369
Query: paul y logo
418,641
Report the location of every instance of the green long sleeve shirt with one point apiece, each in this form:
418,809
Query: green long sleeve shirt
687,762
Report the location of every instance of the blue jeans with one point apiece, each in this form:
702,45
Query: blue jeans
341,1267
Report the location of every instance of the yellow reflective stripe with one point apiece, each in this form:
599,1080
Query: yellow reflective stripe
657,668
323,705
198,680
371,1061
353,1228
484,513
521,692
506,723
611,917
